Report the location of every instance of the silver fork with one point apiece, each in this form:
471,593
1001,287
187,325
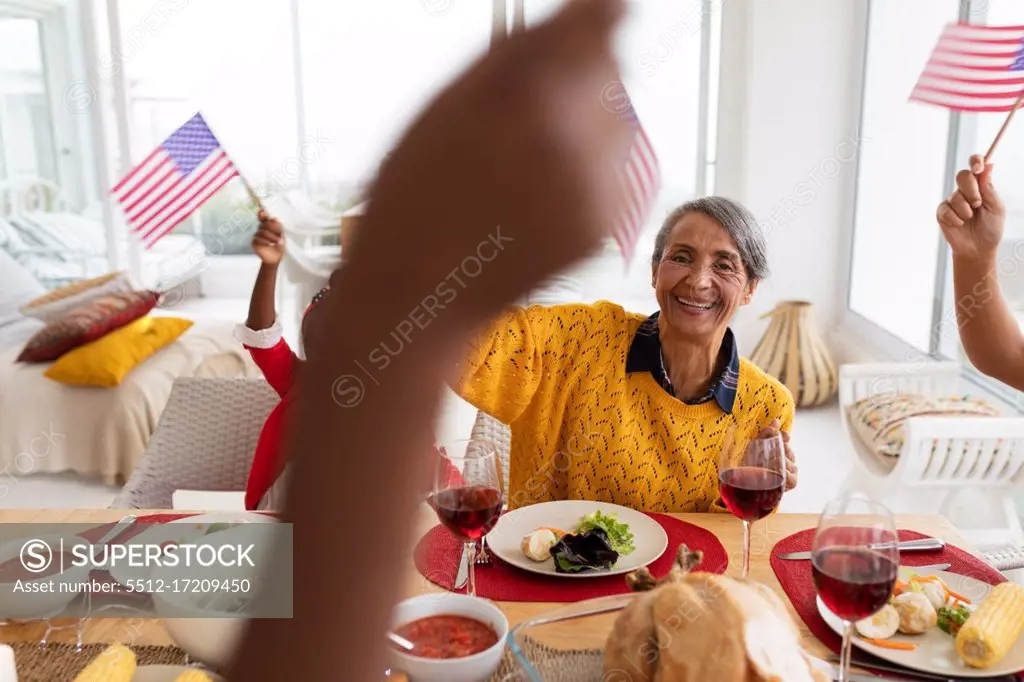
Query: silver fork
482,557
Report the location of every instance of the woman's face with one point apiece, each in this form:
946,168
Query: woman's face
701,279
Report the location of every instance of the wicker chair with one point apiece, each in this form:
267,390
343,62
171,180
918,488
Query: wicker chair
490,428
204,441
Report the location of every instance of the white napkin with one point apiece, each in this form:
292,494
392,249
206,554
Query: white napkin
207,500
8,671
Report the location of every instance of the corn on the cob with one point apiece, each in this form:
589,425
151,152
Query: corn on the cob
193,676
116,664
992,629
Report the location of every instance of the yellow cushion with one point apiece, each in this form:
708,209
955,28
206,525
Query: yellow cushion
107,360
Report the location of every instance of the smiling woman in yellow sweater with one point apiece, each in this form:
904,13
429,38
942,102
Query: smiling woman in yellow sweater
614,406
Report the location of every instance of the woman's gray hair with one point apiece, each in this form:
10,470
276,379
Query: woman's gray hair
734,219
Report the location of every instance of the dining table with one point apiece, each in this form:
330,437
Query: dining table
587,633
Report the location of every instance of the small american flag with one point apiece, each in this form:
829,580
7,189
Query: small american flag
641,179
975,69
173,181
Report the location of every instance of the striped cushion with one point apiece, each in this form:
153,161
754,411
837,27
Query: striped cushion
880,420
87,323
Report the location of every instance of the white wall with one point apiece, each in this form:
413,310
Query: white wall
788,116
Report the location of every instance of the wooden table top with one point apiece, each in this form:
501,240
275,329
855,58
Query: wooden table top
583,634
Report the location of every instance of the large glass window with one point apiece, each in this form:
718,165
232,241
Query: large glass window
26,135
367,68
901,173
308,96
661,53
901,275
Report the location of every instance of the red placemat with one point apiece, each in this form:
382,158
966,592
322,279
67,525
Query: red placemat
438,552
795,576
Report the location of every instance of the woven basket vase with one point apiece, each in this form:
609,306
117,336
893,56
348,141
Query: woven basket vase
793,351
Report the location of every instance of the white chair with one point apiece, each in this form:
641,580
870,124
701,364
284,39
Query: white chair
942,457
204,441
490,428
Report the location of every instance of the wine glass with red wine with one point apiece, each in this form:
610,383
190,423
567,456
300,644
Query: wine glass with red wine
854,560
751,483
468,493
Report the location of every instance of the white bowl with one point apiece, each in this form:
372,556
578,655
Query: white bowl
475,668
204,633
209,640
30,604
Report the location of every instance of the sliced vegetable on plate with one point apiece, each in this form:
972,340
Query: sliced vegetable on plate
951,619
537,544
882,625
588,551
619,535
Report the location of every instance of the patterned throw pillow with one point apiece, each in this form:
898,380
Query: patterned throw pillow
87,323
108,360
880,420
53,306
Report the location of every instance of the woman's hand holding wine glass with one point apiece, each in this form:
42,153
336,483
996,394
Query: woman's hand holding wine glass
751,483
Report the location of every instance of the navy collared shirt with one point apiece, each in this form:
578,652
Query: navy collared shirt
645,356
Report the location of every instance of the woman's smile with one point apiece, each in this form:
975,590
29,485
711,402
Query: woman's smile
696,306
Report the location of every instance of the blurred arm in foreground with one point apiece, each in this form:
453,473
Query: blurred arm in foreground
516,162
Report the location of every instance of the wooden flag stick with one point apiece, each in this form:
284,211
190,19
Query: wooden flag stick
1006,125
252,194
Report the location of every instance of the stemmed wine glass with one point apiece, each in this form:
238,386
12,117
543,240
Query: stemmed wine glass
467,494
854,559
751,483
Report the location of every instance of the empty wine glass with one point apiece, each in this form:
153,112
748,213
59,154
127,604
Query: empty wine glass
467,494
854,560
751,483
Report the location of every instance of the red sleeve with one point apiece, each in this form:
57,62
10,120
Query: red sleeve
278,365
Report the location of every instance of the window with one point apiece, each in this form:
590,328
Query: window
901,173
26,136
672,78
310,95
901,276
975,132
367,69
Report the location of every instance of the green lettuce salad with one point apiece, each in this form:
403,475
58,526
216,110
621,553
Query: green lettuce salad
619,535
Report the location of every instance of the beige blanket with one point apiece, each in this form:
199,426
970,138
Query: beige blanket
46,426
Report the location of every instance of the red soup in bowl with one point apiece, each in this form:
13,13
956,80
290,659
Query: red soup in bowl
447,636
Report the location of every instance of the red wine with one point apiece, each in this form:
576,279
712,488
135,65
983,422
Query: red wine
854,582
751,493
470,511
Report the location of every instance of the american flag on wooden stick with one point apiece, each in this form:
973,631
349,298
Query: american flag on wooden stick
173,181
641,178
974,69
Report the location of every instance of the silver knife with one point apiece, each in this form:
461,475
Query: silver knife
462,575
922,545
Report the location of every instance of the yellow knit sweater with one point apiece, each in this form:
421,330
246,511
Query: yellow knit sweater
584,428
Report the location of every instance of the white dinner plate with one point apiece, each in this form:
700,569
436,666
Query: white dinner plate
181,531
506,539
936,652
166,673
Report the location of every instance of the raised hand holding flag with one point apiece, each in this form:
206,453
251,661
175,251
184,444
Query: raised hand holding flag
175,179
